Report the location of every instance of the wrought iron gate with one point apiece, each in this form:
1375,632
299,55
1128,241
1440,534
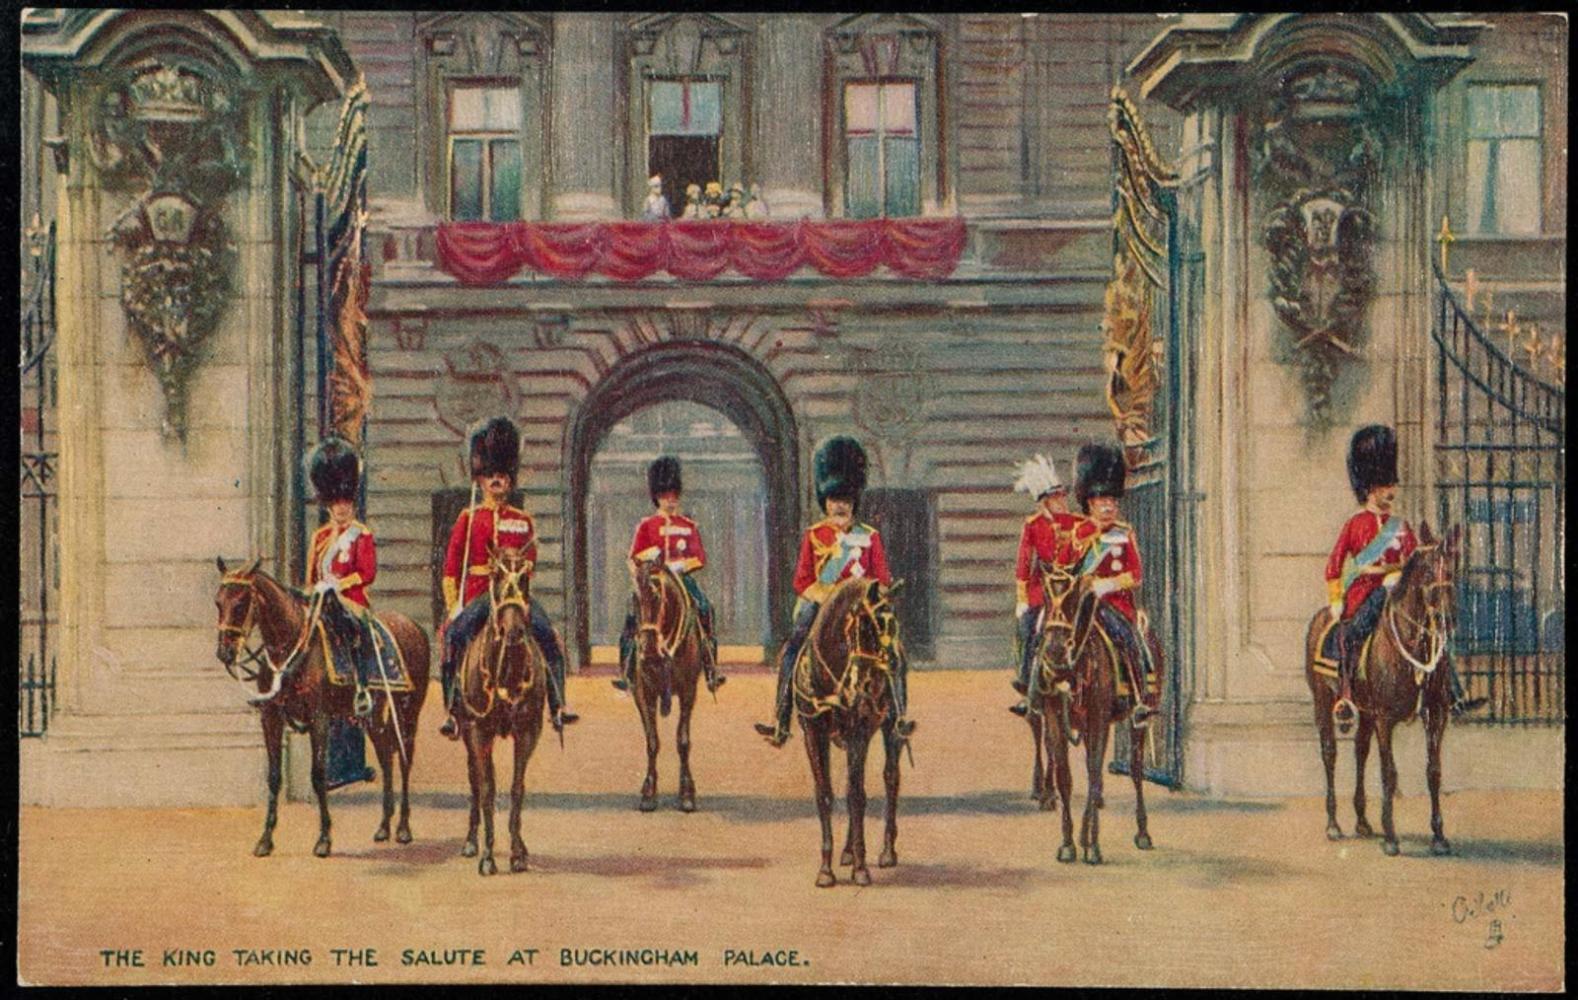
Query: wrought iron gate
1501,450
37,559
1149,311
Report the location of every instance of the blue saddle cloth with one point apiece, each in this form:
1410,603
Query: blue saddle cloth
377,643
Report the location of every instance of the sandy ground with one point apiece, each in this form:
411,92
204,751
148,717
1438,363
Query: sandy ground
1234,893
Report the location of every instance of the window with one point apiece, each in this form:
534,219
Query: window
882,149
1504,192
484,153
684,130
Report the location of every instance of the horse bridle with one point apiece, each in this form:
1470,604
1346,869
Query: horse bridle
506,593
1436,626
244,631
666,648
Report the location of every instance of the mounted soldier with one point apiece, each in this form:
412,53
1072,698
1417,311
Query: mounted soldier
1112,559
670,538
1047,540
834,549
1365,565
342,561
494,454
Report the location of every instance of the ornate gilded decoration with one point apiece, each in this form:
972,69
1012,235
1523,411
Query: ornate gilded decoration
343,181
1132,353
171,135
1316,158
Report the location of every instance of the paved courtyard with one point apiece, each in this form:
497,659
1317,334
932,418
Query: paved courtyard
1234,893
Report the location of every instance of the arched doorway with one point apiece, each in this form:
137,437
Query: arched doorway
727,380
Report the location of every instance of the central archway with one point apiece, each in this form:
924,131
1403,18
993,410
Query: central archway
726,379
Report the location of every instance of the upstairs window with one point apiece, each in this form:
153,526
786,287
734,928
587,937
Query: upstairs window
485,153
684,135
1504,191
882,149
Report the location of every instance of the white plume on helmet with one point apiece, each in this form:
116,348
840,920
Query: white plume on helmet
1037,477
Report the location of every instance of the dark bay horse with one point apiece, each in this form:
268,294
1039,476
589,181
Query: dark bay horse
1401,678
1073,691
292,686
669,654
503,690
843,695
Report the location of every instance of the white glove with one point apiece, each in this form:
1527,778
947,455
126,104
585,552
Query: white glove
1390,580
326,585
1103,587
1336,610
1020,609
677,567
857,571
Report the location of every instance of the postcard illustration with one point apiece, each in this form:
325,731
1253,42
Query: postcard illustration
521,496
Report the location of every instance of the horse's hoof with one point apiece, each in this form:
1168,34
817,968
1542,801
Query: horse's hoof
403,835
517,863
1440,846
1389,848
1093,855
382,835
888,858
1362,829
647,804
1334,832
263,849
468,849
825,879
1101,802
321,848
687,804
1048,803
861,876
1142,841
487,867
1067,853
847,858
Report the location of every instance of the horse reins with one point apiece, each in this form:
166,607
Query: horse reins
1433,628
845,687
249,622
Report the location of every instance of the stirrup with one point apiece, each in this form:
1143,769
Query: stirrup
1141,716
716,681
363,703
1022,709
904,728
450,729
621,682
775,737
1344,714
1020,686
1466,706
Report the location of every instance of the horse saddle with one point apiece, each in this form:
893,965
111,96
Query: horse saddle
367,661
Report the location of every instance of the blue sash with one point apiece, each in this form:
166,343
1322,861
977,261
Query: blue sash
1371,554
1097,552
847,556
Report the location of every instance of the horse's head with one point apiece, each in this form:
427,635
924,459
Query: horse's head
238,603
509,592
879,618
1066,617
1431,573
649,586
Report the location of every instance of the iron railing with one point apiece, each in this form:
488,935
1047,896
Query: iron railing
37,537
1501,448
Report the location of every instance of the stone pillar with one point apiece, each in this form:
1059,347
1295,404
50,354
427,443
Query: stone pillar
787,88
583,132
1293,122
162,467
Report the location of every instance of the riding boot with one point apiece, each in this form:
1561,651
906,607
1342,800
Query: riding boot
783,707
711,667
903,726
558,711
1461,704
446,677
1344,713
627,644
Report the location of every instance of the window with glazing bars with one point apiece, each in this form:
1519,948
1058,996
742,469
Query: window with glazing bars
484,153
882,149
1503,156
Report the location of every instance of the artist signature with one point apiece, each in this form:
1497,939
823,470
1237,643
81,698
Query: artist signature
1490,907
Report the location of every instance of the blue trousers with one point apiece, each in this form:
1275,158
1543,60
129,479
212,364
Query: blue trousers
1027,644
459,633
1127,637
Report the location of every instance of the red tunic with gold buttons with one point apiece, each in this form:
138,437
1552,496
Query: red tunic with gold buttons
1359,532
825,541
669,539
1050,540
1114,554
349,555
480,529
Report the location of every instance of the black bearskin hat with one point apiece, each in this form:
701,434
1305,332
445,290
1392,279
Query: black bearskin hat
1099,471
840,471
496,448
663,477
1372,459
335,470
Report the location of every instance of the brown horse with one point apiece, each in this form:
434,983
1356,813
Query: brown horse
503,689
292,686
843,695
1401,677
669,658
1073,691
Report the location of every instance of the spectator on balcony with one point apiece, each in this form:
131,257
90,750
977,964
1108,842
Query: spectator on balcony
656,208
756,206
713,204
735,207
694,209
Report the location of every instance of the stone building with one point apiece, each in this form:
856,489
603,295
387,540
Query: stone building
999,123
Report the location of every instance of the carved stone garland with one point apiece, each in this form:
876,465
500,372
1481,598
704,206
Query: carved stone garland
171,135
1316,160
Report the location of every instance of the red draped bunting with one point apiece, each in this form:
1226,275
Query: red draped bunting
486,253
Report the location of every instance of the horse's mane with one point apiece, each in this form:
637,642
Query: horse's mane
1412,567
843,598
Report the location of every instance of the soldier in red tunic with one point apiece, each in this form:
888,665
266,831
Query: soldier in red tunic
342,560
834,549
1366,563
1112,558
1047,540
675,540
493,523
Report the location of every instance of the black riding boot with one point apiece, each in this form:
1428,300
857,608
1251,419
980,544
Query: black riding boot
714,672
446,680
1461,705
1026,649
783,707
903,726
627,654
557,713
1344,713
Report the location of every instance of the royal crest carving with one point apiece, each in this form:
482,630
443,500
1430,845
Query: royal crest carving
170,135
1316,158
888,403
473,383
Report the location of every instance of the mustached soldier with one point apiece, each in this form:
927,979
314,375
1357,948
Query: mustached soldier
494,454
675,540
1047,540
